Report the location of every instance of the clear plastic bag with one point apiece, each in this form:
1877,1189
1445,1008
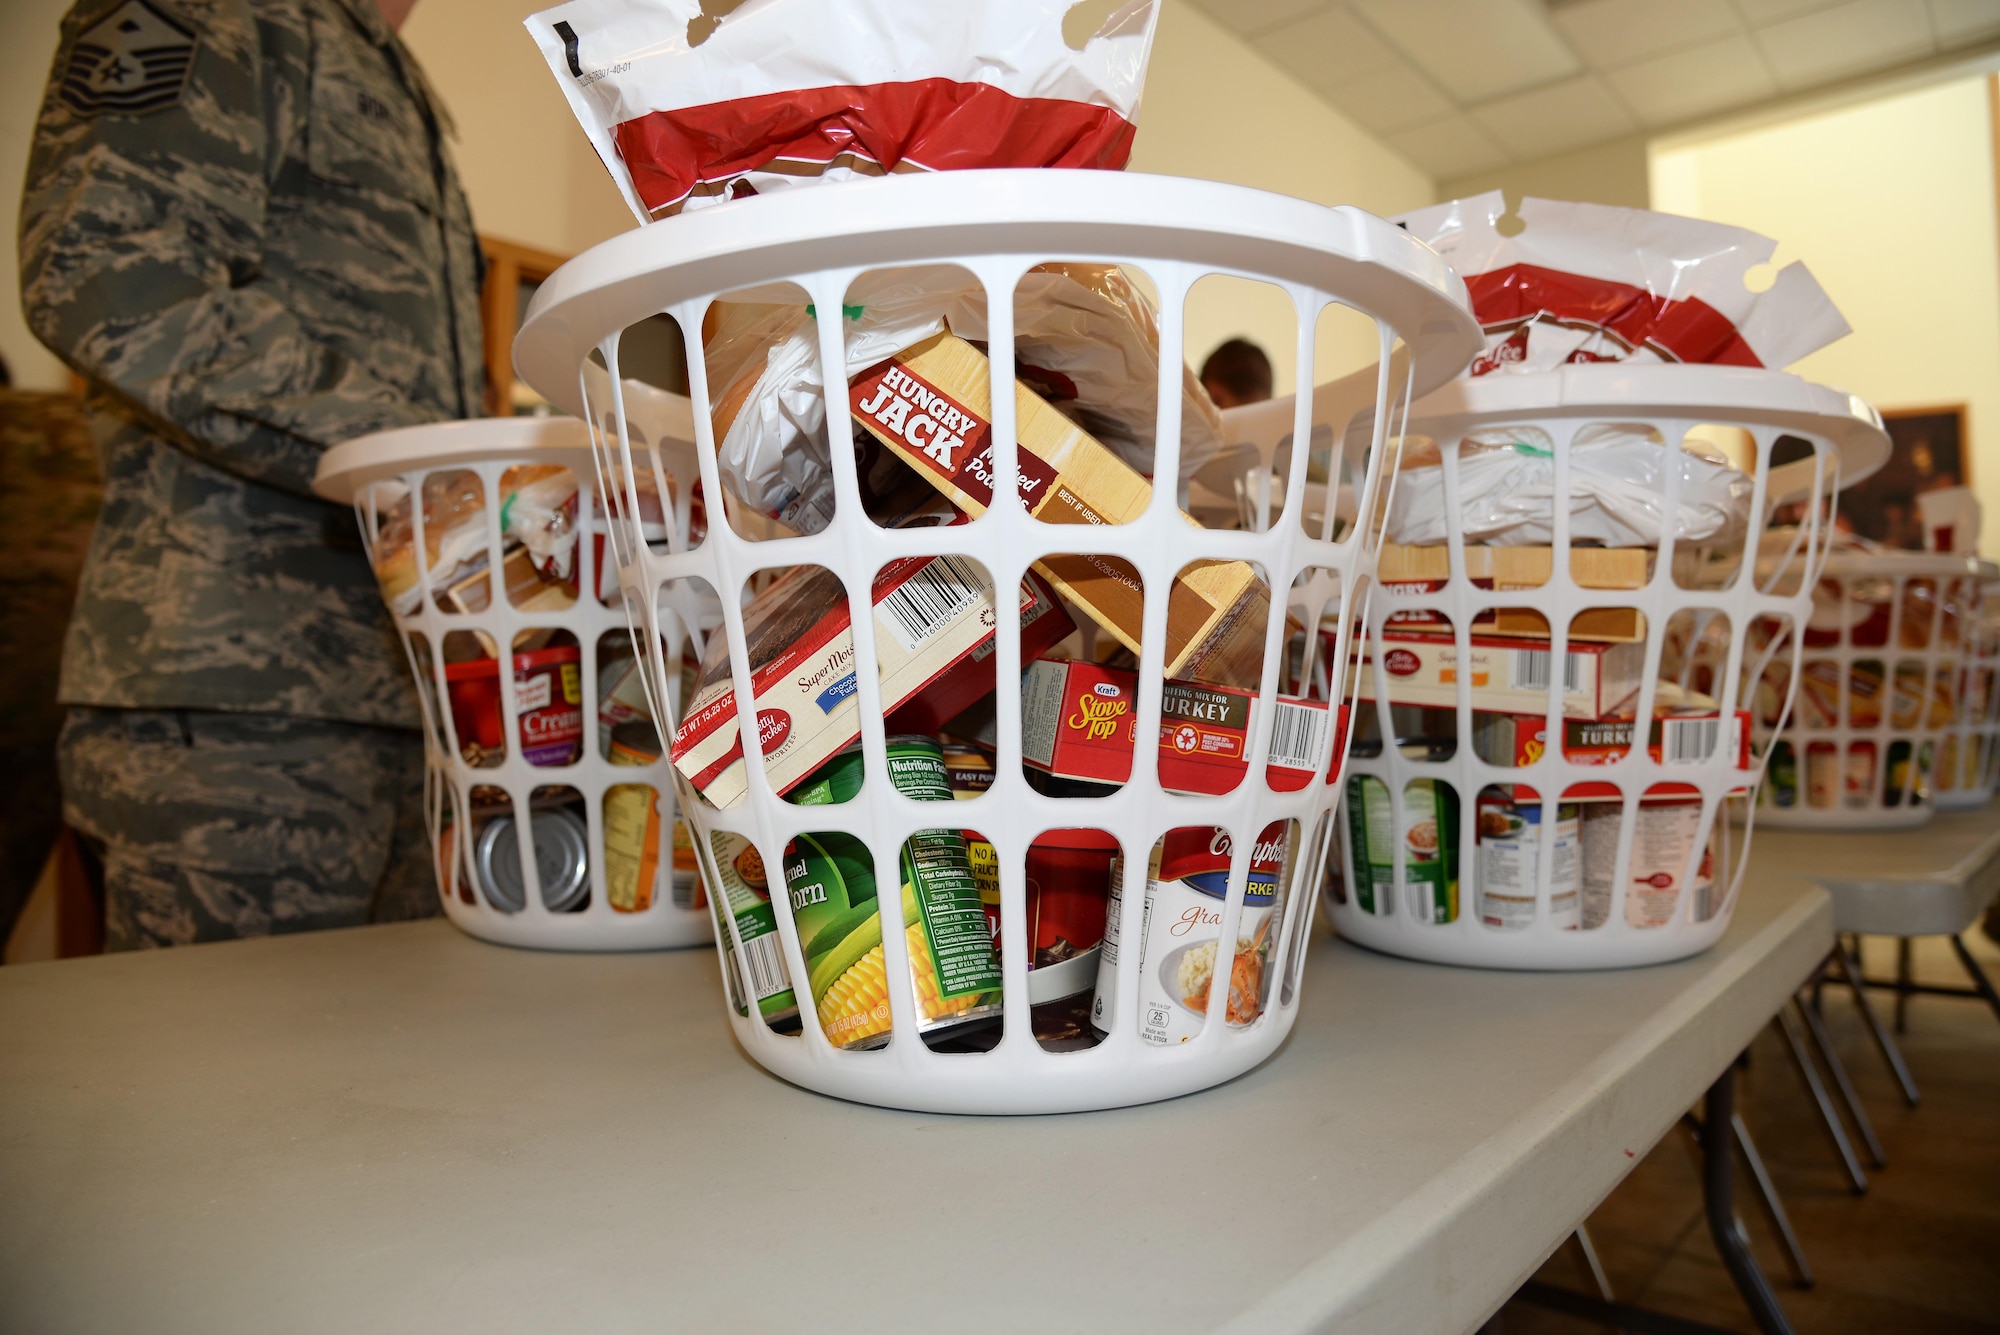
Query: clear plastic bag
1617,486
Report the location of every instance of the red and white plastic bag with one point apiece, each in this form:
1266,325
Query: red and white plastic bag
688,108
1593,283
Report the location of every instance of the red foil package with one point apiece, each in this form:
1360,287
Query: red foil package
1593,283
688,107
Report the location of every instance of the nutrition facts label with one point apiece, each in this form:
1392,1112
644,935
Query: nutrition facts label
954,918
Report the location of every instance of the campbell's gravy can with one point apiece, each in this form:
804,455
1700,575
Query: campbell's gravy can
1180,947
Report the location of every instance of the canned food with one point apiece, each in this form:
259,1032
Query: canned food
1663,836
548,688
561,843
1429,840
1187,883
1069,885
1510,861
742,891
831,881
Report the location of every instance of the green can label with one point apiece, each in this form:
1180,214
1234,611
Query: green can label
833,897
1429,840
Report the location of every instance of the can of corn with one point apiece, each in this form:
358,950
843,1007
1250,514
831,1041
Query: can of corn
831,880
742,899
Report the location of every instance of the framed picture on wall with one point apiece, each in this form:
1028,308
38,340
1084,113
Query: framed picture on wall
1928,450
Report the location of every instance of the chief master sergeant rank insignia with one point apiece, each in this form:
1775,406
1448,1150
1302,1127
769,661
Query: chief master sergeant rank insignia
133,62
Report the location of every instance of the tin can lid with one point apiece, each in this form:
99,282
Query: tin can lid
561,842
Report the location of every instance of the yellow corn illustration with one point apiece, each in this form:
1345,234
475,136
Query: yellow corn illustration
856,1007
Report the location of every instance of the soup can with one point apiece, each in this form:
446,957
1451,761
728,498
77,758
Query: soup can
1510,861
561,842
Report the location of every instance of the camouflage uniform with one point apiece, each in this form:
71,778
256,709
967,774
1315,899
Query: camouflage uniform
241,226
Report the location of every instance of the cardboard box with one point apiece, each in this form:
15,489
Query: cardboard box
1427,570
1079,721
932,404
1509,675
1676,738
933,616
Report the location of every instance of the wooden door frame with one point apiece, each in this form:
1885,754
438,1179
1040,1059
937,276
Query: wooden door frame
507,264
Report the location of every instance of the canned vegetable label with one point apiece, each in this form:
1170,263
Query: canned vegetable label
743,890
1429,840
1187,882
1510,853
833,895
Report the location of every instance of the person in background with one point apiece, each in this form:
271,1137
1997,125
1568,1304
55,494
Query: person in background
1237,373
242,229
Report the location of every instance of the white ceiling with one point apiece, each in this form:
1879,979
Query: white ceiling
1461,86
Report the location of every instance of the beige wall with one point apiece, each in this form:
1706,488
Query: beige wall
28,32
1891,204
528,170
1215,108
1613,173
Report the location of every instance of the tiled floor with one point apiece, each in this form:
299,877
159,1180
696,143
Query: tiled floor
1919,1253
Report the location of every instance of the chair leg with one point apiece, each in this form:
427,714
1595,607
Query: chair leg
1978,975
1795,1041
1816,1030
1774,1208
1905,974
1850,965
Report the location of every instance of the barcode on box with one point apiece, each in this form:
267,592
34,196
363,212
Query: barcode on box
1528,670
1296,735
929,600
765,961
1689,741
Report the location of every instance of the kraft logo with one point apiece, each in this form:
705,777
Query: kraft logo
1105,688
773,726
1401,662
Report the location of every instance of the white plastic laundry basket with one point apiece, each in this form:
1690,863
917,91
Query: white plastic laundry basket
1879,691
521,847
996,225
1969,761
1451,870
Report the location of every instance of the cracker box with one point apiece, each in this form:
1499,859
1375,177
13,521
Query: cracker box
931,403
1681,737
1509,674
1079,721
933,618
1403,569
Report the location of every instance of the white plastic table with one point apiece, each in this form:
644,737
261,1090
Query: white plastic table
400,1128
1935,880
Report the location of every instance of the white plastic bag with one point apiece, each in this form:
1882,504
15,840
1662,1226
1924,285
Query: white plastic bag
1617,492
689,110
1590,283
1084,337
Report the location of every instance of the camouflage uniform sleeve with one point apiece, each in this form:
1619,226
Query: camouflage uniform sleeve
142,229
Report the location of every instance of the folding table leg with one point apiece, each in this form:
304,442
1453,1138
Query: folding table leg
1593,1265
1718,1183
1796,1042
1850,965
1774,1208
1816,1029
1904,975
1979,978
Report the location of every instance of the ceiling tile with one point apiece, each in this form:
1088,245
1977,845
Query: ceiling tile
1959,21
1760,12
1327,49
1251,17
1616,32
1693,82
1474,49
1847,39
1549,120
1454,146
1393,97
